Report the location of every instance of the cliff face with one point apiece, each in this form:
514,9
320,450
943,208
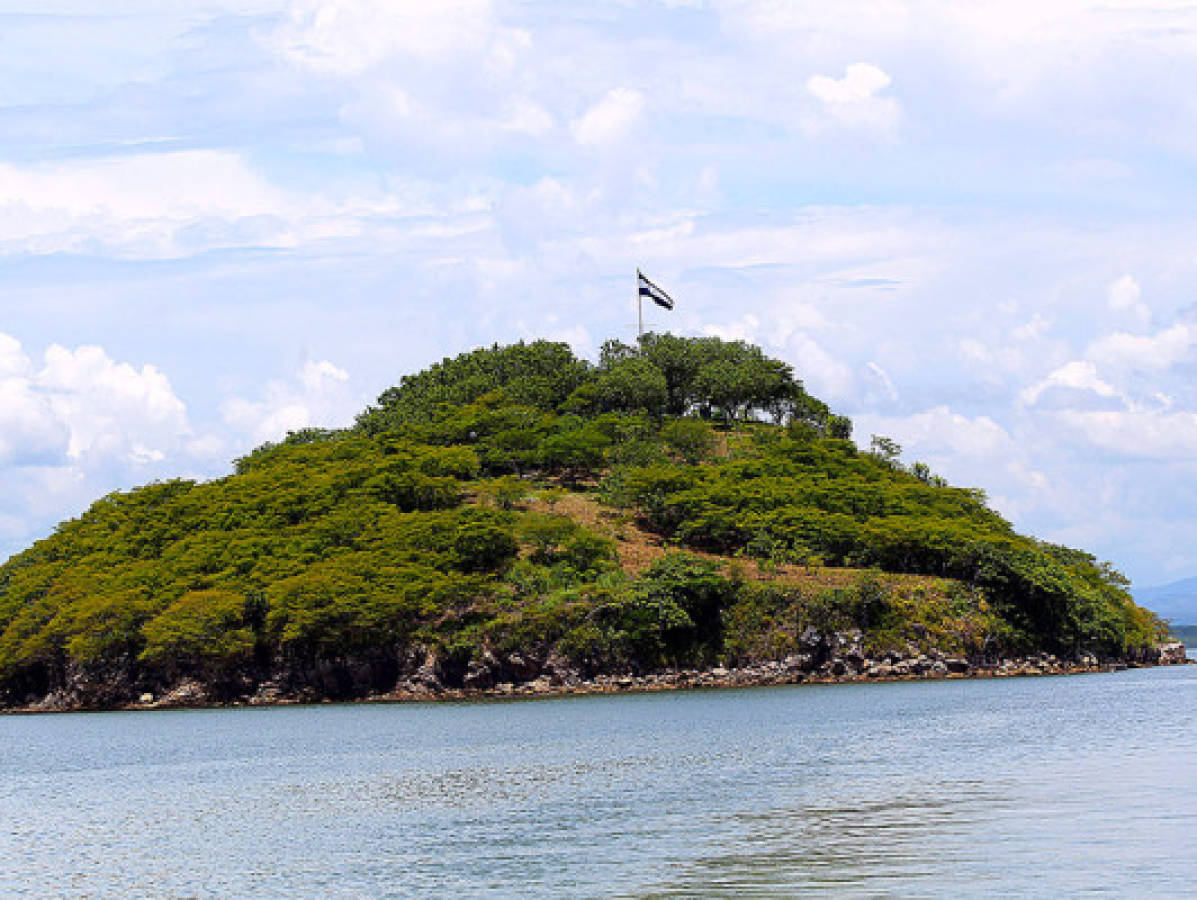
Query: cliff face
517,516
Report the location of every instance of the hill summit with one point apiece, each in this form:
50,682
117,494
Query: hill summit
516,514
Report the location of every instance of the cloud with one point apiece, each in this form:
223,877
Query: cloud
83,408
746,329
348,37
1125,295
111,408
77,424
426,131
968,450
822,372
814,24
610,119
525,116
854,101
1054,72
1144,433
1078,377
163,205
942,432
428,84
1034,329
30,433
316,396
860,83
881,387
1144,353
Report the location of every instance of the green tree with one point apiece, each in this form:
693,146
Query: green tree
691,439
573,454
206,627
631,385
540,374
885,449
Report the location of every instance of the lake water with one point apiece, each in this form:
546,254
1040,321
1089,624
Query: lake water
1019,787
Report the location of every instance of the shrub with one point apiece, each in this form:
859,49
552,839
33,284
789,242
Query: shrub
200,627
483,547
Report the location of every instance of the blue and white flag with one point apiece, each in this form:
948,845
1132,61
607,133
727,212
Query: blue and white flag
652,292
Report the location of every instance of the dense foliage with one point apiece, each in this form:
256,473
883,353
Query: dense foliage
665,375
822,502
342,560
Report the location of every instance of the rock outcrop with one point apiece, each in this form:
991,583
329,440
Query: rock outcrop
822,658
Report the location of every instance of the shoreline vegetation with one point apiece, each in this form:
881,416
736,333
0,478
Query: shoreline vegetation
517,520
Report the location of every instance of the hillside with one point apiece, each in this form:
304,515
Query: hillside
516,513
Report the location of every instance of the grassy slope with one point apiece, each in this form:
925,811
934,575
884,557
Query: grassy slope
920,610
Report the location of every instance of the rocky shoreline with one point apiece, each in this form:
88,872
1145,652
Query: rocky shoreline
840,662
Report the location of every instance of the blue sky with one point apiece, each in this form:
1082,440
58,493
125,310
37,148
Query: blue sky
968,226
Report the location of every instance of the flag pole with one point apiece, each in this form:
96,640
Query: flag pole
639,312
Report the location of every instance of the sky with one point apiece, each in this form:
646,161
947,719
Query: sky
970,227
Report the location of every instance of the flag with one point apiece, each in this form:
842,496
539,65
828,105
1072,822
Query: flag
652,292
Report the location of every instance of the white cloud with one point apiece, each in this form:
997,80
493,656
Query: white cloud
348,37
854,101
13,361
815,23
746,329
163,205
610,119
317,396
1156,352
1077,375
524,116
508,46
29,430
823,373
942,433
1145,433
882,384
77,425
1033,329
1057,67
317,376
860,84
815,236
208,448
1125,295
111,409
969,450
82,407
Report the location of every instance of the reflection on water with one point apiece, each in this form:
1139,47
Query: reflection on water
1029,787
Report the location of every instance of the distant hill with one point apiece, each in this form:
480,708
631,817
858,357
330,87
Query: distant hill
1185,633
515,514
1176,601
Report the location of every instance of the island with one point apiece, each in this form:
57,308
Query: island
517,520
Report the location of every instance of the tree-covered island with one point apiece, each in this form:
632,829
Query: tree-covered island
516,519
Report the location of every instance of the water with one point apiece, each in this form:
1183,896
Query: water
1022,787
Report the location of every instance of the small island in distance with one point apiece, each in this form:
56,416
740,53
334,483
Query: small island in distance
516,520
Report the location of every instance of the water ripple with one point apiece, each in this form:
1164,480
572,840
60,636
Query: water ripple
1028,787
